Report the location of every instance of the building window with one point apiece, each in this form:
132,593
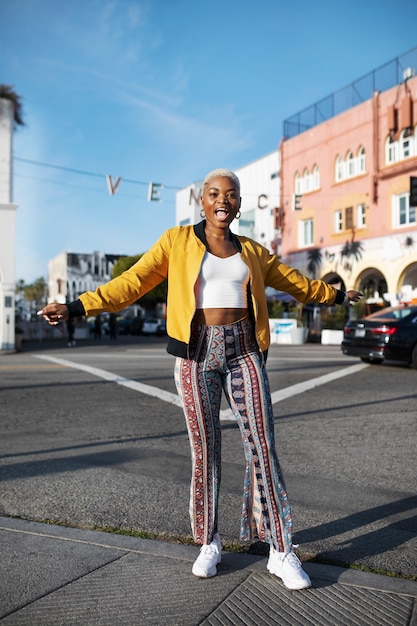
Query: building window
346,219
338,221
403,213
316,177
390,150
339,169
361,160
406,145
404,148
349,218
306,233
308,181
298,186
247,223
360,216
350,165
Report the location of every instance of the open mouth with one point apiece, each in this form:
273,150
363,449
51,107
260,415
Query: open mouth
221,212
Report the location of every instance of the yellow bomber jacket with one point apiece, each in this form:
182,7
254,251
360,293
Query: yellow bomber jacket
178,255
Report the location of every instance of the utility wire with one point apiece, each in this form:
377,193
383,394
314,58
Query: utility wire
84,173
97,175
90,189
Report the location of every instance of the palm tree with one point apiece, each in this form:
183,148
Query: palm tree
20,287
352,248
314,261
7,92
36,293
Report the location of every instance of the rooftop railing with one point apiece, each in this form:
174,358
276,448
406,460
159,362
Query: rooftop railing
392,73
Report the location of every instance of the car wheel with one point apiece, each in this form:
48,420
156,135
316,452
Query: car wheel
414,357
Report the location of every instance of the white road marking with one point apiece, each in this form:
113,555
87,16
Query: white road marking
288,392
226,415
171,398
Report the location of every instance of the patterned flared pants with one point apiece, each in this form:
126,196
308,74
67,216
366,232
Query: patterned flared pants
227,358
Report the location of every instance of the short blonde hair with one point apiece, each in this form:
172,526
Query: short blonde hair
223,173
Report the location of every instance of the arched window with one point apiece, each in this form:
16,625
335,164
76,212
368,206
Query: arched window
306,180
405,144
361,160
298,186
350,165
316,177
391,150
339,169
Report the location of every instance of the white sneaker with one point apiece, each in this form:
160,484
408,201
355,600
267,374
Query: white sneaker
286,566
210,556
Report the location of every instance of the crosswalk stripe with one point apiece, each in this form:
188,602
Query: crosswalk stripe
226,415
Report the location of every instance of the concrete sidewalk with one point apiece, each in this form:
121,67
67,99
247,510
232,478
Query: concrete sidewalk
54,575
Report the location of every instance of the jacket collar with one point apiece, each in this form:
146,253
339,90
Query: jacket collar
199,230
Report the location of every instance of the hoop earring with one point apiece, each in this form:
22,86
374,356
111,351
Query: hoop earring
238,214
202,214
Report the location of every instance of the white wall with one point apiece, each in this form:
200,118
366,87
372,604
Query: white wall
7,228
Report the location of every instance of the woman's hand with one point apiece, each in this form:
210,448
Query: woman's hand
54,313
354,296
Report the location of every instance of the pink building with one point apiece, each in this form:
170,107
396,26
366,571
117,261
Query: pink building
345,189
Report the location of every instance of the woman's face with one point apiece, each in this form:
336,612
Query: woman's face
220,201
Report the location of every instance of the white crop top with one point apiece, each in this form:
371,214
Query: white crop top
222,283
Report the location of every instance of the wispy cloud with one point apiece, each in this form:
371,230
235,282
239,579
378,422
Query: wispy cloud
105,29
217,127
112,79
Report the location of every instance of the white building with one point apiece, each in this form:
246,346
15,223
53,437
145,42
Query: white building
7,228
260,190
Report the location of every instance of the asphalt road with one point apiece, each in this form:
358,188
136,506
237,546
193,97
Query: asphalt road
94,436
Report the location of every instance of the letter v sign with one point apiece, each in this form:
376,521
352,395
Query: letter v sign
112,187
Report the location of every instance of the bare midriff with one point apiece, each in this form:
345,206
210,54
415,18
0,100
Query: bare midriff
219,317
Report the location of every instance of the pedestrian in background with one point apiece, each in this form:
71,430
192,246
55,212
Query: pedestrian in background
112,326
218,329
97,327
71,332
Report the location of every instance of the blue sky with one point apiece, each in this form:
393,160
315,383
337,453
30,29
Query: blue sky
164,91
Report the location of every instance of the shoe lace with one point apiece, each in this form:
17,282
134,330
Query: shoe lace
292,560
209,551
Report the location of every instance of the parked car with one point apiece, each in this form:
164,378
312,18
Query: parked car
388,334
154,326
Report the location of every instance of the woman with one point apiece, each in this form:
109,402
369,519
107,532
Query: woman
218,329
